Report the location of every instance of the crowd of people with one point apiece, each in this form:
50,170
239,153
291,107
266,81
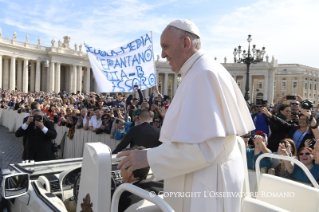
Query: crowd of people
113,115
284,129
288,128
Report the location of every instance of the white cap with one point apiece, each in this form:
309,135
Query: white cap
186,25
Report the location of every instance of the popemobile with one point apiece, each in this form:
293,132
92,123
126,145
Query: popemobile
93,183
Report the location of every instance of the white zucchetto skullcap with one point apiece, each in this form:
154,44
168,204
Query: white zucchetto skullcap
186,25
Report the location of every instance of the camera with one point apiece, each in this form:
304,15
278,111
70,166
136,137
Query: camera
37,117
307,104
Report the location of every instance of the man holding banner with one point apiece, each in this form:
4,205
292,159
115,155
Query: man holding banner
204,157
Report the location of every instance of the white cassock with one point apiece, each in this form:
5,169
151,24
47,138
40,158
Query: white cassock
200,151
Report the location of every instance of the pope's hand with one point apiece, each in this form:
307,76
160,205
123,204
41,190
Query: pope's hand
135,159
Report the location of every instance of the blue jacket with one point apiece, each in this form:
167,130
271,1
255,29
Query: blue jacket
118,135
251,159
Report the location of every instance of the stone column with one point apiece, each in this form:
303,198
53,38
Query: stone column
87,81
37,77
25,75
0,71
5,78
71,79
79,79
265,87
42,83
157,77
271,87
19,75
165,84
57,77
13,73
250,88
244,84
32,76
175,84
47,78
74,78
51,79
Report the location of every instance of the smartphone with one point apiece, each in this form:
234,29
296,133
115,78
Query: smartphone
289,97
282,142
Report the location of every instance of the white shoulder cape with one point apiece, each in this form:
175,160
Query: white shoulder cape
207,104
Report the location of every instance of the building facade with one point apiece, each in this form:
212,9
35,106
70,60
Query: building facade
33,67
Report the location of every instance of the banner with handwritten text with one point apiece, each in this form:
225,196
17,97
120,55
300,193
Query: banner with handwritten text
118,70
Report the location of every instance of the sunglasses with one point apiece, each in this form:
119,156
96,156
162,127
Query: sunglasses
156,121
307,153
294,103
258,106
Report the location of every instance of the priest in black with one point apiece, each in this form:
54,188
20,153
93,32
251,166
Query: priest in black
143,134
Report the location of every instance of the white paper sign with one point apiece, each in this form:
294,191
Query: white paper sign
118,70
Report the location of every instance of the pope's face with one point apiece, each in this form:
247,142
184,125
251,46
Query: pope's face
172,49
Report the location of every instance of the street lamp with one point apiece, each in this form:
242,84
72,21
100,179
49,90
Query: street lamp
248,58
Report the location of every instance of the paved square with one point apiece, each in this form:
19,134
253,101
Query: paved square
11,147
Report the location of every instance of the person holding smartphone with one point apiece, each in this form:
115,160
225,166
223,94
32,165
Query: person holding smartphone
286,147
134,101
294,104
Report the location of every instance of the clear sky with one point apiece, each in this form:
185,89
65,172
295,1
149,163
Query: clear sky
287,28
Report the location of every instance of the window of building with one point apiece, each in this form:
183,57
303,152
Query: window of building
283,85
238,83
306,85
310,85
260,85
294,85
315,88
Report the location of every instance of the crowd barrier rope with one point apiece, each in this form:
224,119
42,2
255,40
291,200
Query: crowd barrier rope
72,148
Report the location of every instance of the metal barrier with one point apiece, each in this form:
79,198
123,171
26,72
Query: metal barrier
280,157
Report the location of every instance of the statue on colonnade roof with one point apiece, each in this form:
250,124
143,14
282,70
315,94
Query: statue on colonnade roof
66,42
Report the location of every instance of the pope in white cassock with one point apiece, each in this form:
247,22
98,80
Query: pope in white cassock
199,151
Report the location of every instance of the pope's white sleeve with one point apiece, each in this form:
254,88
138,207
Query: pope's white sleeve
173,159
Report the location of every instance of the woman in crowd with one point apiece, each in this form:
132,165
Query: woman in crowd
286,147
277,134
306,157
299,134
50,111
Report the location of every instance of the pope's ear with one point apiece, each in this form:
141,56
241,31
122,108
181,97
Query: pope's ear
187,43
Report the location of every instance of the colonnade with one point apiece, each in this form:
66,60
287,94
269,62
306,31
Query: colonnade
27,75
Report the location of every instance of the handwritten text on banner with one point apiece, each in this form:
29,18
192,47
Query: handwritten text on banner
118,70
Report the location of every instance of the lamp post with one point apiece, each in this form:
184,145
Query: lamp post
248,58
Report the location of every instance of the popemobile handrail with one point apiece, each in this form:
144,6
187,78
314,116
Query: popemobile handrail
281,157
141,193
